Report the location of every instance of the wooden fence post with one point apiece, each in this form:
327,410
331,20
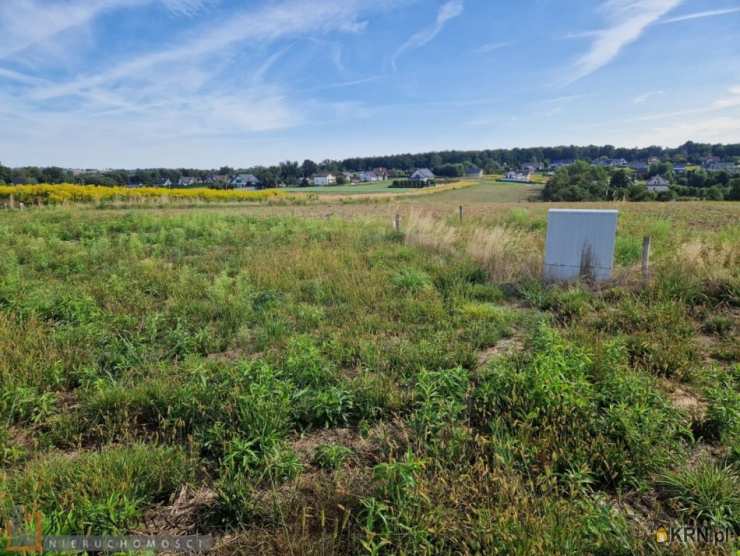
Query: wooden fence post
12,201
646,258
397,223
461,214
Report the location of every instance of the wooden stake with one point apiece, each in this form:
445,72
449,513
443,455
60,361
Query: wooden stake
12,201
646,258
397,223
461,214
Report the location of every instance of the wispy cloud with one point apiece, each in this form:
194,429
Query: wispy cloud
273,22
185,7
211,80
491,47
25,24
449,10
700,15
644,97
627,20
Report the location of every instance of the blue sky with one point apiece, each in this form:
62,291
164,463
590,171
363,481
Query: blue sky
204,83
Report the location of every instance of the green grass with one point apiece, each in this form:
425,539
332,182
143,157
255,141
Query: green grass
337,387
354,188
488,190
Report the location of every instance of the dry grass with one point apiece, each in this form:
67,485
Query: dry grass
712,262
423,230
507,254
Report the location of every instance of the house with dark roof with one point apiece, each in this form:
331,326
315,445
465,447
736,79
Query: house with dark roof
728,167
369,176
555,164
658,184
187,181
422,174
242,181
473,172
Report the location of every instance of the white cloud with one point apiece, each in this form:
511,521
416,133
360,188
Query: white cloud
700,15
730,101
627,20
449,10
702,129
644,97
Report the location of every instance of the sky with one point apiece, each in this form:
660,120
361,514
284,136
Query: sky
207,83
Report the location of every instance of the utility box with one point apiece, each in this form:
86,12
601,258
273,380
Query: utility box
580,244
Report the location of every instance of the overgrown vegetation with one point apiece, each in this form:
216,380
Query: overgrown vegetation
331,386
71,193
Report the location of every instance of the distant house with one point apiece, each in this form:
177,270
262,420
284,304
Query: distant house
473,172
165,183
653,160
658,184
639,166
518,177
555,164
350,177
679,169
728,167
369,176
187,181
243,181
382,173
610,162
530,167
218,180
324,178
423,174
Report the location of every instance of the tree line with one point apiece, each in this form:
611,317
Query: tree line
584,182
443,163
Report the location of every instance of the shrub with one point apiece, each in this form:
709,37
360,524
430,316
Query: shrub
722,420
705,493
411,280
571,414
331,456
99,492
328,406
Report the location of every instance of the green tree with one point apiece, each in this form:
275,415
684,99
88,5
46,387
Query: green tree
578,182
620,180
5,174
639,192
714,193
309,168
734,194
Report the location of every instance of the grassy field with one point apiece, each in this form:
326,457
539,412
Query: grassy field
301,379
350,189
